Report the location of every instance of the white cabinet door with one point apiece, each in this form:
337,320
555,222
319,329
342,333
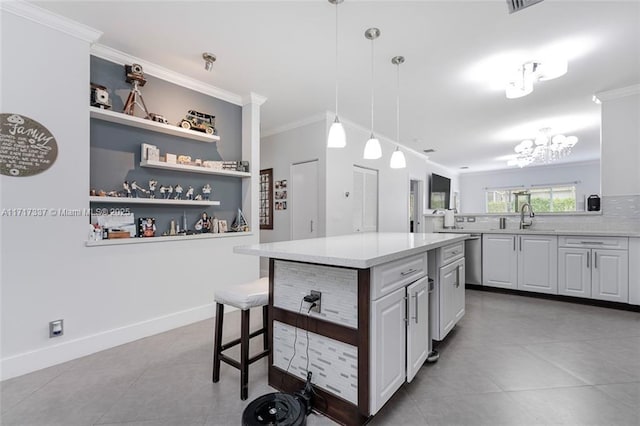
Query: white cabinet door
610,275
538,263
499,261
417,329
388,349
451,296
574,272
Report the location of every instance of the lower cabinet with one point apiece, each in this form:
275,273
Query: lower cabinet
594,273
399,340
450,298
520,262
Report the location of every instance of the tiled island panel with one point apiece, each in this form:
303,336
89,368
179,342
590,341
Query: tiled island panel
339,286
333,364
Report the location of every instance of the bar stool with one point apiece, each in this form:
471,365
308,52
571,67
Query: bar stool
243,297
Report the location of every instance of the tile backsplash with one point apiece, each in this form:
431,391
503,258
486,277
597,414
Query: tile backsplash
619,213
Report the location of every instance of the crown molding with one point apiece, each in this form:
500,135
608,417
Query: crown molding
113,55
253,98
618,93
49,19
294,125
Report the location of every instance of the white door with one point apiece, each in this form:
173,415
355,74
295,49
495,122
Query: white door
499,260
303,200
610,275
574,272
388,339
416,206
417,330
451,296
538,263
365,199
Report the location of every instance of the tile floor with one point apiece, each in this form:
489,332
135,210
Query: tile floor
512,360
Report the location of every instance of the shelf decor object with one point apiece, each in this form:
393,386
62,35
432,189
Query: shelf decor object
192,169
397,158
154,201
141,123
337,137
372,149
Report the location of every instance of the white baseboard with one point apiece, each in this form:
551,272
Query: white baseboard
28,362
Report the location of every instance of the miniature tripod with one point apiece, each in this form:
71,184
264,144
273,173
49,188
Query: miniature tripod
135,98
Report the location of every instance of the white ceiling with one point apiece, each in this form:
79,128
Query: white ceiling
285,51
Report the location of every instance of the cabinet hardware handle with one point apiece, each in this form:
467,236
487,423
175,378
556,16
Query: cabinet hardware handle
457,283
311,226
416,297
520,239
591,242
595,259
410,271
514,243
588,257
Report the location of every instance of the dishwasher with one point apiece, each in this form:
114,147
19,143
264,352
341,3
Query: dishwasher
473,258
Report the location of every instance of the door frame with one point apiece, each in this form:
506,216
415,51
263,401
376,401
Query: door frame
419,204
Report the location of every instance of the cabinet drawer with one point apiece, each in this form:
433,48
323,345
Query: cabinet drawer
621,243
393,275
452,252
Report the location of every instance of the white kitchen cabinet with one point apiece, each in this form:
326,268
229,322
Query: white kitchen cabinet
610,275
388,350
499,261
586,269
522,262
634,271
574,272
447,304
417,327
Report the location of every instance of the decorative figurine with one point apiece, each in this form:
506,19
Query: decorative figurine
169,191
152,188
198,197
199,121
206,191
127,189
163,190
172,231
178,189
204,223
190,193
136,189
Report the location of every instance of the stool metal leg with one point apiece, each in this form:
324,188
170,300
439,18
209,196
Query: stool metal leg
217,346
265,325
244,355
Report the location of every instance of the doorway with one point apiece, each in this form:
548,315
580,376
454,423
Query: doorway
365,199
304,200
416,191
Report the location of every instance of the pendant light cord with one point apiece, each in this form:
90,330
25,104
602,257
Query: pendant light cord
336,59
398,106
372,82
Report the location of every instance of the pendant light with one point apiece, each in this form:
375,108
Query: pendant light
337,137
397,158
372,150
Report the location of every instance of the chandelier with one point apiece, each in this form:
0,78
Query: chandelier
543,149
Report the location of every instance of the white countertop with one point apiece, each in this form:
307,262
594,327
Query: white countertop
362,250
593,233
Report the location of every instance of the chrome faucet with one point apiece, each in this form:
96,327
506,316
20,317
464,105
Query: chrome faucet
523,224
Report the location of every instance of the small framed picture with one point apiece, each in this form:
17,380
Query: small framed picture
281,184
222,226
281,205
281,195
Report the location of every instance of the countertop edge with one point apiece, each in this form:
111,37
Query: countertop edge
629,234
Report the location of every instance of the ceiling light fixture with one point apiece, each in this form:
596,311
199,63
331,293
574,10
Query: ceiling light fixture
372,149
209,59
544,149
397,158
337,137
521,83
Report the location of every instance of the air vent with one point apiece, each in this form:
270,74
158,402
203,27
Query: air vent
428,151
518,5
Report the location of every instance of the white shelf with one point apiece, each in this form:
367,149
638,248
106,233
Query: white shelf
156,201
124,241
154,126
192,169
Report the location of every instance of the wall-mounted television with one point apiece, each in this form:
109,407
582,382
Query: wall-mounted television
439,192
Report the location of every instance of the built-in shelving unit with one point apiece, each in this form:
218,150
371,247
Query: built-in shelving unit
155,201
141,123
192,169
124,241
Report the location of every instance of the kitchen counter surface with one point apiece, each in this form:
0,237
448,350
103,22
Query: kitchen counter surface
362,250
544,232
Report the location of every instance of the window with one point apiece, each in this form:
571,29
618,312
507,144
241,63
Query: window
543,199
266,199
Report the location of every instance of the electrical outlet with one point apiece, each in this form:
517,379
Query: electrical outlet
459,219
471,219
56,328
316,308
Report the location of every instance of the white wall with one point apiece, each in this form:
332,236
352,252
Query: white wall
106,295
621,145
473,185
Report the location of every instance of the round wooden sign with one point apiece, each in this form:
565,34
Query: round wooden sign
26,146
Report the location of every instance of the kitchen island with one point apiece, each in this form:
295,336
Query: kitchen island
366,334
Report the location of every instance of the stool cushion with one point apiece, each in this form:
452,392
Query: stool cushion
245,296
